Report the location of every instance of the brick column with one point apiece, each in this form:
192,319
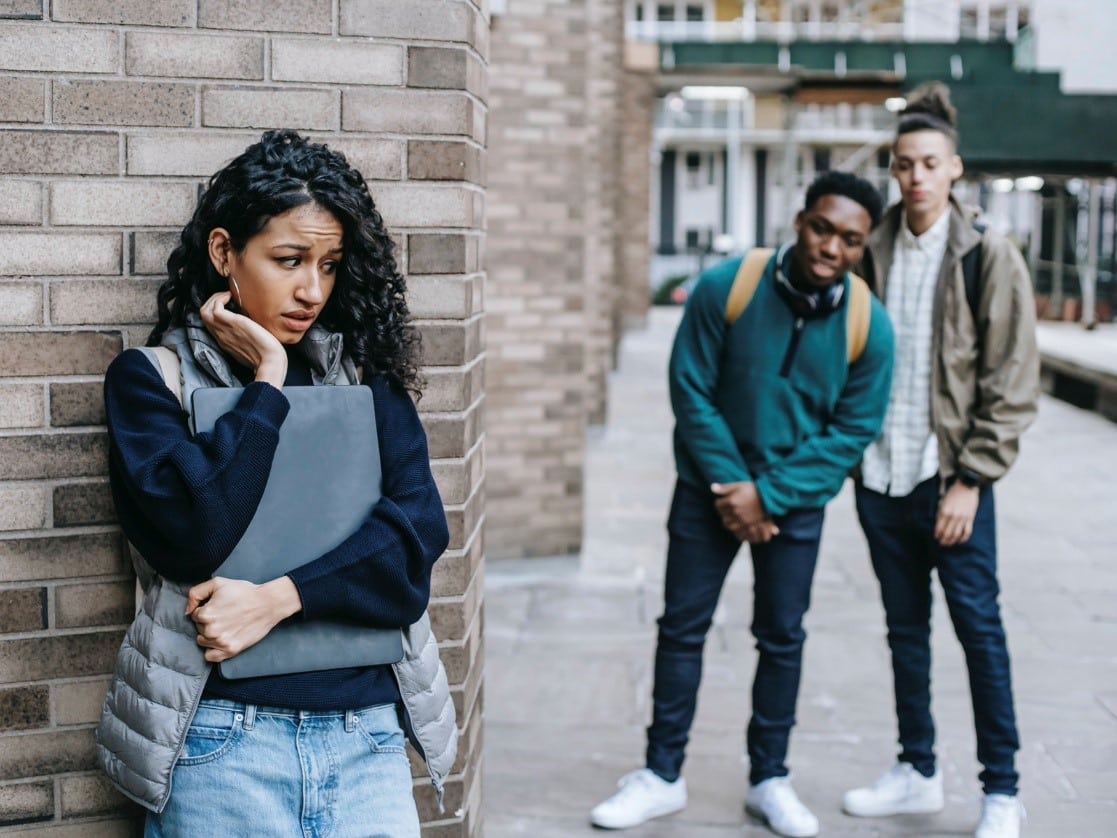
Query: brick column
634,238
112,114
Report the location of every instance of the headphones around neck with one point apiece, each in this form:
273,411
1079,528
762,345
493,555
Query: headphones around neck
806,303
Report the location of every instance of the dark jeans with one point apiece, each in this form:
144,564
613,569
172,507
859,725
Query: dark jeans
900,532
698,558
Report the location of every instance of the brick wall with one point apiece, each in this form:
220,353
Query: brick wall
551,254
112,112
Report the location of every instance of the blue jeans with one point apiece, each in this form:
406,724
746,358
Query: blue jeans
900,532
264,771
699,555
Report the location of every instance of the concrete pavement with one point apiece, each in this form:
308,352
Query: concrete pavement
569,645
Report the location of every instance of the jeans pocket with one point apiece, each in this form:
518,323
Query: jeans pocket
381,729
212,733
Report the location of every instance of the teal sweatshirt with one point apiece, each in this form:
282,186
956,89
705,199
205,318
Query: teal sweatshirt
754,402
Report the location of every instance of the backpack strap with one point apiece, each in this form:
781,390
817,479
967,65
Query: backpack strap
166,361
971,273
745,282
859,311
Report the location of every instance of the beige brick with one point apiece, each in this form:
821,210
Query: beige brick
121,203
58,153
22,507
267,15
45,456
407,112
132,12
37,754
50,49
261,107
339,61
183,154
89,794
57,656
22,100
438,296
452,388
431,20
103,301
21,405
451,343
123,103
57,353
62,556
441,160
442,67
76,403
78,702
101,604
21,304
22,609
193,56
148,251
83,504
61,254
375,159
437,253
24,802
405,205
452,434
21,9
24,708
21,202
122,827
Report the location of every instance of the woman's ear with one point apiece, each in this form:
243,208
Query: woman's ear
220,248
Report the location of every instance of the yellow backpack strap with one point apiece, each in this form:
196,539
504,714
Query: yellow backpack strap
169,366
858,313
744,284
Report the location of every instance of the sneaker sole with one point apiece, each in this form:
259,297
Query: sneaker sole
900,810
606,823
758,813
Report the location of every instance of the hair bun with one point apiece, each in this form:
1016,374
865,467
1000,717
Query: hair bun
933,99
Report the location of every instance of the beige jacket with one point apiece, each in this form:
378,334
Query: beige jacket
985,378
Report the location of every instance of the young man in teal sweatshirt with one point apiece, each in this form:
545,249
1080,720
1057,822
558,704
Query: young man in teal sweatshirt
773,407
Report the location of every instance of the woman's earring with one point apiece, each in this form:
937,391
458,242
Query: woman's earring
236,289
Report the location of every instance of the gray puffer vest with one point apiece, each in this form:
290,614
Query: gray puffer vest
161,671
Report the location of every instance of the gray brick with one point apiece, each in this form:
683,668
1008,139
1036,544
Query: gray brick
183,154
260,107
123,103
59,254
121,203
57,353
442,67
441,160
21,304
375,159
61,556
339,61
103,301
124,827
193,56
436,253
50,49
22,100
26,802
430,20
78,702
22,507
58,153
78,403
38,754
21,202
453,343
89,794
267,15
407,112
40,457
405,205
83,504
129,12
22,609
149,251
100,604
21,405
21,9
24,708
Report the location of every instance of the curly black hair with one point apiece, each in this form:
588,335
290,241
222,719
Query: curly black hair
280,172
850,186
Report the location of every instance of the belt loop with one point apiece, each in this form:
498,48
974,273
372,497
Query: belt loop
249,716
350,720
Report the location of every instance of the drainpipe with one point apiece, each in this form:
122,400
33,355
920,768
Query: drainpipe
1089,275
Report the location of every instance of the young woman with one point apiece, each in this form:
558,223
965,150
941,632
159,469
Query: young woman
284,275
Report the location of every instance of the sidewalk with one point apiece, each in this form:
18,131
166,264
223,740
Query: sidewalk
569,644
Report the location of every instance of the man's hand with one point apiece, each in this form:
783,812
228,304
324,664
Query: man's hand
231,614
957,508
742,512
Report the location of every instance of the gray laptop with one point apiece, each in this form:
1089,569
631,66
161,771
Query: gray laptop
323,484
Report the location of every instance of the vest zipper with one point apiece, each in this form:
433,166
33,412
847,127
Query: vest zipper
792,347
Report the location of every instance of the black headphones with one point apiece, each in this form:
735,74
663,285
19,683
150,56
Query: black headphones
806,304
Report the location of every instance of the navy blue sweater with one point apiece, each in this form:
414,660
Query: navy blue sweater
185,501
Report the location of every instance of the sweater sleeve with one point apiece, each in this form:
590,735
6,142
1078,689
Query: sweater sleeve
185,501
813,472
381,574
693,376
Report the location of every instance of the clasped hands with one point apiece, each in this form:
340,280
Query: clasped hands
742,512
232,614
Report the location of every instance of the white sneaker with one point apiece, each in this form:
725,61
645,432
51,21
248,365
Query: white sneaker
776,802
643,795
902,790
1001,815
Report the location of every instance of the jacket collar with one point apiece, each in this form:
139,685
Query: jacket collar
961,238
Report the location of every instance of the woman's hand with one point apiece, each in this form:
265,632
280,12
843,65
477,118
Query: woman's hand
231,614
245,339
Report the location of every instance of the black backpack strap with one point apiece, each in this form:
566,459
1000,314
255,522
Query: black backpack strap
971,273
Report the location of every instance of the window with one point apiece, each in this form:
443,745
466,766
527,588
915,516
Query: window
692,239
693,169
694,14
665,12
